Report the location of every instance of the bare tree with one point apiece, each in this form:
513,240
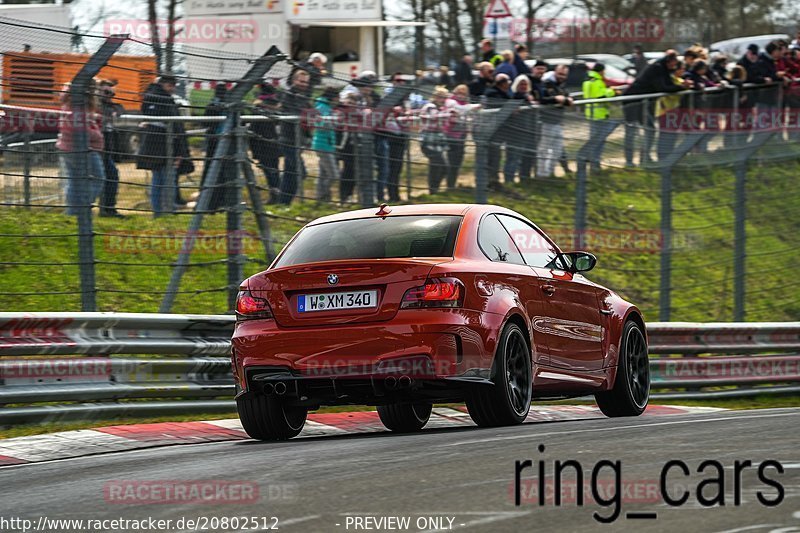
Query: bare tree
169,46
155,39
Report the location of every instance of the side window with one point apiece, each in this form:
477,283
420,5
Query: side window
496,243
537,251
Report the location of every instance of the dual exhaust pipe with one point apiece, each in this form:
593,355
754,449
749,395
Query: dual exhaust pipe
392,383
278,388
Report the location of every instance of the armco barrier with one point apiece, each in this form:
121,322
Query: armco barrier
183,365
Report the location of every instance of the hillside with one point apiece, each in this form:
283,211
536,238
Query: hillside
38,270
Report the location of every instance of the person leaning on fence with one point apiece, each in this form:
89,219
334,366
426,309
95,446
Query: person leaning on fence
264,139
152,156
69,122
112,149
768,105
434,142
790,63
600,123
671,112
323,142
555,97
656,78
294,105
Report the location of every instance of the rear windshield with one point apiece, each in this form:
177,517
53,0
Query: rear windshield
374,238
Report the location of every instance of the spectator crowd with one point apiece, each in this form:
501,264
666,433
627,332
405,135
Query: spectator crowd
361,132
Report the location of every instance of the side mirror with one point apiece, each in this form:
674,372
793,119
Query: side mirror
580,261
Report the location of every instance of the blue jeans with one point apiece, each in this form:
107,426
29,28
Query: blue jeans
111,183
157,186
599,130
513,160
94,181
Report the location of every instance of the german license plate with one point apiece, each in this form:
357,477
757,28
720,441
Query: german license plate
332,301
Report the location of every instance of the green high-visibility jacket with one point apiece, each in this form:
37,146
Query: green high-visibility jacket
595,87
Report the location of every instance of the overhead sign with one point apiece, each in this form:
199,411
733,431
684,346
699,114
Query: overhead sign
231,7
333,10
497,9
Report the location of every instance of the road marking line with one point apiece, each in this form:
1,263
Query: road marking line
747,528
615,428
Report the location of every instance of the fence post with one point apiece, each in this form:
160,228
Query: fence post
665,286
233,235
81,178
481,140
489,121
234,97
740,220
26,159
170,180
300,176
409,166
580,202
739,241
255,197
665,296
365,166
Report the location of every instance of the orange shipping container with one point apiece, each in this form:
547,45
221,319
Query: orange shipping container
36,79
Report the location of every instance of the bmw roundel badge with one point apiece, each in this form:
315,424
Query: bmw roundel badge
333,279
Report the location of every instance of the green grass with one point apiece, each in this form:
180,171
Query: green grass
134,269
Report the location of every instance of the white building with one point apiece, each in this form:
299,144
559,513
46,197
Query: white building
348,32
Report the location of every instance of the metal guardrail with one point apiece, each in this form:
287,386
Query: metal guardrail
184,366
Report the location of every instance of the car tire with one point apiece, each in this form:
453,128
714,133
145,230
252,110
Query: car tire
266,418
405,417
631,389
507,401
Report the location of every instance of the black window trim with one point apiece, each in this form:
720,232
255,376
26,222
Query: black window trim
478,239
559,253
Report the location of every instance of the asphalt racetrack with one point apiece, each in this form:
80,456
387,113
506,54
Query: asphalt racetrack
452,478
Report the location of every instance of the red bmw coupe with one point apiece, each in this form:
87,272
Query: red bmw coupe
408,306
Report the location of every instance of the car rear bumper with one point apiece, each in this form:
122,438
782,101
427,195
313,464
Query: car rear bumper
428,345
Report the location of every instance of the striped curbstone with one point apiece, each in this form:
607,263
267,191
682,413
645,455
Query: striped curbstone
83,442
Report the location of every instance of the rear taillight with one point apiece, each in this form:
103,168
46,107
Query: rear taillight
437,292
249,306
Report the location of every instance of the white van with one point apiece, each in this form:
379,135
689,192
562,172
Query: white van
735,48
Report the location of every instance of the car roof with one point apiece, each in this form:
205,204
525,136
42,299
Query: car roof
405,210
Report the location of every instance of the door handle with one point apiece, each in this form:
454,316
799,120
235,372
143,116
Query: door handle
548,289
606,311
